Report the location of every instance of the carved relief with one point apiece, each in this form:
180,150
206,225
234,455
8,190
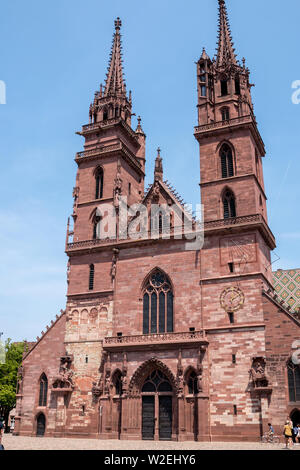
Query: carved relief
64,381
118,183
258,372
113,270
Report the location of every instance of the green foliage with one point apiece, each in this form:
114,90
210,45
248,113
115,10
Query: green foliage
9,376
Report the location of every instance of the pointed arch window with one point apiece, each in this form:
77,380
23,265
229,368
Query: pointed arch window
229,205
43,390
96,227
192,383
91,277
105,114
226,161
158,304
294,381
117,381
99,183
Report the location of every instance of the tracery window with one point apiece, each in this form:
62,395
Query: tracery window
43,390
157,382
294,381
158,304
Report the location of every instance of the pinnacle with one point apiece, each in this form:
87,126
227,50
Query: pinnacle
226,50
115,83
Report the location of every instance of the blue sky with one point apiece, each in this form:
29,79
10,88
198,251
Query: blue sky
54,56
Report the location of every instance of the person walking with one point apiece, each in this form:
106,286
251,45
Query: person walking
298,435
1,432
288,434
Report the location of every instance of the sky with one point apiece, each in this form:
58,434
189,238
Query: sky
53,58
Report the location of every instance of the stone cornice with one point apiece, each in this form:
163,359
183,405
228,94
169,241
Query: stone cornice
89,294
229,125
232,179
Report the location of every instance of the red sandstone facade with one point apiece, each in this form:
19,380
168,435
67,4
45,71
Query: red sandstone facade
159,341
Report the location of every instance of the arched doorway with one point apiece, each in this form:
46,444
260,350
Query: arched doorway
295,417
157,407
40,425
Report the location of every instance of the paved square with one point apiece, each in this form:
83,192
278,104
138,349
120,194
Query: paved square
33,443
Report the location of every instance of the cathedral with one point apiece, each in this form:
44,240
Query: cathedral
163,338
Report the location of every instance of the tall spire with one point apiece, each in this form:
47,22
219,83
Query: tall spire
115,83
226,52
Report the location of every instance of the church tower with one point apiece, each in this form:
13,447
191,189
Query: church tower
231,153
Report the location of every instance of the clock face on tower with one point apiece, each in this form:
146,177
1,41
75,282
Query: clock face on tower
232,299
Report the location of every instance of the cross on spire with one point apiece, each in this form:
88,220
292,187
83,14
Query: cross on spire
226,52
115,83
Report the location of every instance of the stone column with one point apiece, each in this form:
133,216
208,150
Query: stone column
181,418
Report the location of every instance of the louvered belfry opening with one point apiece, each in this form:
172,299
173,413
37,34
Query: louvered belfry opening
91,277
226,161
229,205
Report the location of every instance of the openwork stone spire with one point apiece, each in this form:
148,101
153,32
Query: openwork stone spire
115,83
226,52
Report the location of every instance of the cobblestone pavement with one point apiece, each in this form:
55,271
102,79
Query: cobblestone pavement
33,443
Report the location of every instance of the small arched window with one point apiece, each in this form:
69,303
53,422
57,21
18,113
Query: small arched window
237,85
224,87
91,277
96,227
225,114
229,205
294,381
99,183
226,161
193,383
157,304
105,114
43,390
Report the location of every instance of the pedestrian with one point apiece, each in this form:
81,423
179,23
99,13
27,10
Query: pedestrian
295,433
288,434
1,432
271,430
298,435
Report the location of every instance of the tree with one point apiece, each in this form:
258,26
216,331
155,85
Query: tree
9,377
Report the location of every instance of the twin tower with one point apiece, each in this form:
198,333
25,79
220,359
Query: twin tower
157,340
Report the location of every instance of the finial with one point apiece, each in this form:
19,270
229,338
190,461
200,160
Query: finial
158,170
139,129
118,24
